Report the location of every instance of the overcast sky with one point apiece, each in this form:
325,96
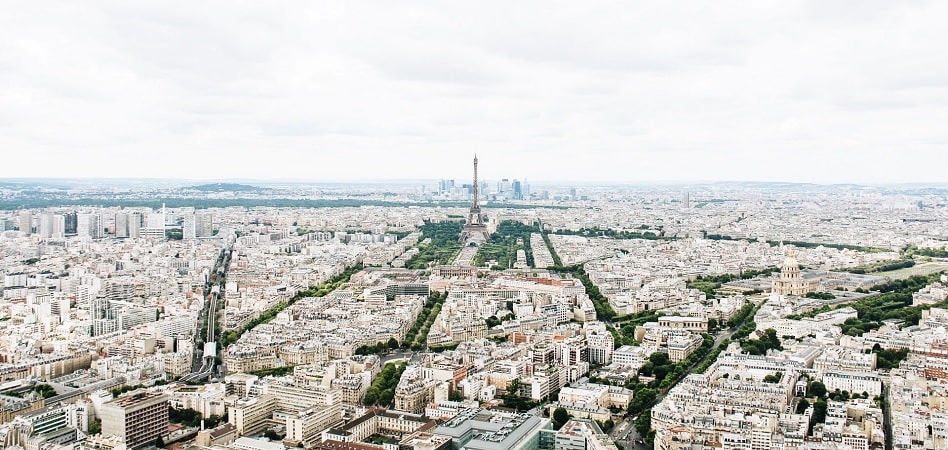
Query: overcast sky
623,91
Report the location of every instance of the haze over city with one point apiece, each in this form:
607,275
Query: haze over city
827,92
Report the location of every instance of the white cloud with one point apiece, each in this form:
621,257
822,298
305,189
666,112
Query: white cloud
791,91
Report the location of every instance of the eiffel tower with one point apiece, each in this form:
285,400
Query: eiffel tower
475,232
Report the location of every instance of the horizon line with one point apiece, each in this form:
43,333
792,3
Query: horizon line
436,180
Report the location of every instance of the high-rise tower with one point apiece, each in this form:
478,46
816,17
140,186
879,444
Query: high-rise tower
474,217
475,232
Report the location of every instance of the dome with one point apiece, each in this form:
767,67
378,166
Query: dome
791,260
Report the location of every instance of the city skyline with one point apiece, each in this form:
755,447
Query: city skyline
145,183
245,312
786,92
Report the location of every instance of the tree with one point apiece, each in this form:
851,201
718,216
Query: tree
816,389
819,411
889,359
212,421
839,396
644,423
44,390
382,390
642,400
271,435
658,358
802,405
371,396
768,341
513,389
647,369
187,416
513,400
560,417
712,324
661,372
95,426
392,343
386,397
608,425
773,378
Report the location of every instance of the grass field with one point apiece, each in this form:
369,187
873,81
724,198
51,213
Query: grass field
920,269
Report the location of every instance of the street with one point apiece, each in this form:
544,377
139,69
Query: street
202,365
625,434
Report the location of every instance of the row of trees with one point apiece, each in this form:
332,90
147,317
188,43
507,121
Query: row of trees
442,247
643,397
657,366
744,322
382,390
744,275
801,244
611,233
509,237
380,347
319,290
768,341
643,425
604,310
709,284
893,302
549,245
681,369
911,250
907,285
417,336
664,374
717,237
882,266
712,356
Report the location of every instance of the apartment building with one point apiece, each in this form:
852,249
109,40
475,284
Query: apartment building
139,418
